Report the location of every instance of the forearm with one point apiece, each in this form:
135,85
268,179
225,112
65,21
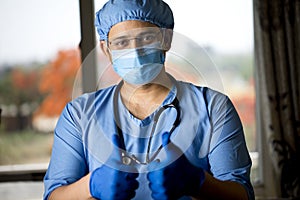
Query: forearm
77,190
213,188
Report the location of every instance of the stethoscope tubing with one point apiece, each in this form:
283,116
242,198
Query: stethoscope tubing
126,158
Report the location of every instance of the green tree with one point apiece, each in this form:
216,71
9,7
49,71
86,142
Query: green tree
17,87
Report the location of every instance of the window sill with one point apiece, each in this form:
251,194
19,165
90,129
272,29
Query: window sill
26,172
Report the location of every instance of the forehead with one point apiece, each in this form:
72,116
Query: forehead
127,26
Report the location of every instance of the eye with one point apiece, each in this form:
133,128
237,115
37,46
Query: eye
120,43
149,37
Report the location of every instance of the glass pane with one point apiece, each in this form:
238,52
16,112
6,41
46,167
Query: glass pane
225,30
38,59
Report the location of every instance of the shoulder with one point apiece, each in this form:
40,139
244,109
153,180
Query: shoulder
85,104
211,97
90,99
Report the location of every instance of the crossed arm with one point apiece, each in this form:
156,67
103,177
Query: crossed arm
211,189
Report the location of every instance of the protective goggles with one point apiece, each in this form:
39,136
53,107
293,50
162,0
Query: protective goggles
140,37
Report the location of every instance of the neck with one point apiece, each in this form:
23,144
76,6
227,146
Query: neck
161,83
143,100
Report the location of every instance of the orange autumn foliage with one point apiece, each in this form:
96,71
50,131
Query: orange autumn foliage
23,80
57,82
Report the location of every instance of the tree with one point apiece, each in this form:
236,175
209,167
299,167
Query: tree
24,84
18,88
57,82
6,93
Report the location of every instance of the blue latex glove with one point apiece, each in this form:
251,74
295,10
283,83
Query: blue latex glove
114,180
178,178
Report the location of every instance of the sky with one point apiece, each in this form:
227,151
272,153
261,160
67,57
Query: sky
34,30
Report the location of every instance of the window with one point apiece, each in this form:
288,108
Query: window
225,30
36,37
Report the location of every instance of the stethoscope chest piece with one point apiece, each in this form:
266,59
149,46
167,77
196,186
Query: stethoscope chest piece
125,159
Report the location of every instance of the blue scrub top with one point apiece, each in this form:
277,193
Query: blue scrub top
210,134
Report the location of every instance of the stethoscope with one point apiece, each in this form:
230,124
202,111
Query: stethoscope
128,158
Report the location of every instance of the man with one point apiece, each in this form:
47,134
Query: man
150,136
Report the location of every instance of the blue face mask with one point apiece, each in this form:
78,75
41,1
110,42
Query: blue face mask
138,66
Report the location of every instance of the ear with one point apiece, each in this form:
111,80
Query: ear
104,48
168,36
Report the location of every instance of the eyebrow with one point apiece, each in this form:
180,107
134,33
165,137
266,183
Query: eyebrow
140,34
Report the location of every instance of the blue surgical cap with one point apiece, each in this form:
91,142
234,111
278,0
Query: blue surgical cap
114,11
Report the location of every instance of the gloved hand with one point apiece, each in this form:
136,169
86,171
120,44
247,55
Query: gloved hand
114,180
178,178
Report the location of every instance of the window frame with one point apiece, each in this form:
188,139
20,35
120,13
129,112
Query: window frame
24,172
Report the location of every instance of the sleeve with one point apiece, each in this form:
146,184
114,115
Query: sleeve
229,158
67,163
